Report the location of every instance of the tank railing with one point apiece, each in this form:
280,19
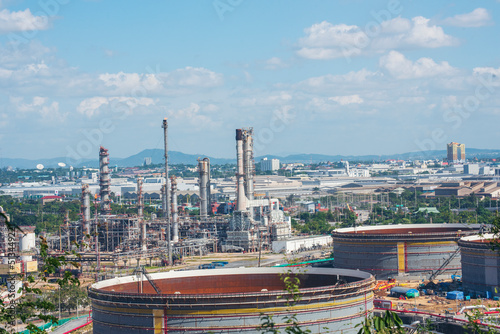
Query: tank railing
399,235
331,290
232,295
476,245
283,301
189,298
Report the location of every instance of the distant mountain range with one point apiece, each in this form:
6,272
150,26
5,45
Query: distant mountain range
175,157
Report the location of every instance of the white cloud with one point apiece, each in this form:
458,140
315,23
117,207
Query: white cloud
353,77
3,121
347,99
129,83
275,98
39,104
275,63
477,18
327,41
122,105
21,21
192,76
487,70
400,67
196,115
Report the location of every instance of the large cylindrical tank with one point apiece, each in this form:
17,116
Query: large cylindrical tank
416,250
480,265
231,301
27,241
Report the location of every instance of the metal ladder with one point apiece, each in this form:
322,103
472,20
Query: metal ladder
443,266
142,270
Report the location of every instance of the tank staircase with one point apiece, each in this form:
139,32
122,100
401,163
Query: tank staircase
142,270
442,268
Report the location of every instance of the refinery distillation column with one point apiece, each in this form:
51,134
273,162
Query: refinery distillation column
104,181
240,197
166,201
248,165
204,176
175,218
85,209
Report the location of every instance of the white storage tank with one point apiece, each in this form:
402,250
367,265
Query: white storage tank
27,242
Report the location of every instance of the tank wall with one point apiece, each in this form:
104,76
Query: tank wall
391,258
333,316
324,307
480,270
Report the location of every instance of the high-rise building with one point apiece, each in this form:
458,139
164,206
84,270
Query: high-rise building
269,164
452,150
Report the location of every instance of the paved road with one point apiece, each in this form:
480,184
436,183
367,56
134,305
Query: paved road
72,324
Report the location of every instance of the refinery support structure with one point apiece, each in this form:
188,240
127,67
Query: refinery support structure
253,220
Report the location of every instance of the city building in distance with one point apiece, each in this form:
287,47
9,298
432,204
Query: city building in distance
269,164
452,150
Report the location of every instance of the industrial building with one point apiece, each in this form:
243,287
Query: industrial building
230,301
409,251
290,245
480,265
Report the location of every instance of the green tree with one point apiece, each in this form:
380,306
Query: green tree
32,305
389,323
69,297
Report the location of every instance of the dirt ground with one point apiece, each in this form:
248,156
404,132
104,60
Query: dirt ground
431,303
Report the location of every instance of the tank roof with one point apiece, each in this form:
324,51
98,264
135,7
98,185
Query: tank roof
229,281
408,228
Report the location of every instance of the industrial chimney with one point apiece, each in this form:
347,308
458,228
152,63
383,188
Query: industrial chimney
248,163
204,183
104,181
140,198
240,192
85,208
175,217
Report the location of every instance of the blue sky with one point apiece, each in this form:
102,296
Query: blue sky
330,77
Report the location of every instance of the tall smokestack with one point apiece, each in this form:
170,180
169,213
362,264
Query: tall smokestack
204,177
175,218
104,181
166,211
140,199
240,194
248,163
140,213
209,202
85,209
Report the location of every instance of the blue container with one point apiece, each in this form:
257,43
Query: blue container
455,295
